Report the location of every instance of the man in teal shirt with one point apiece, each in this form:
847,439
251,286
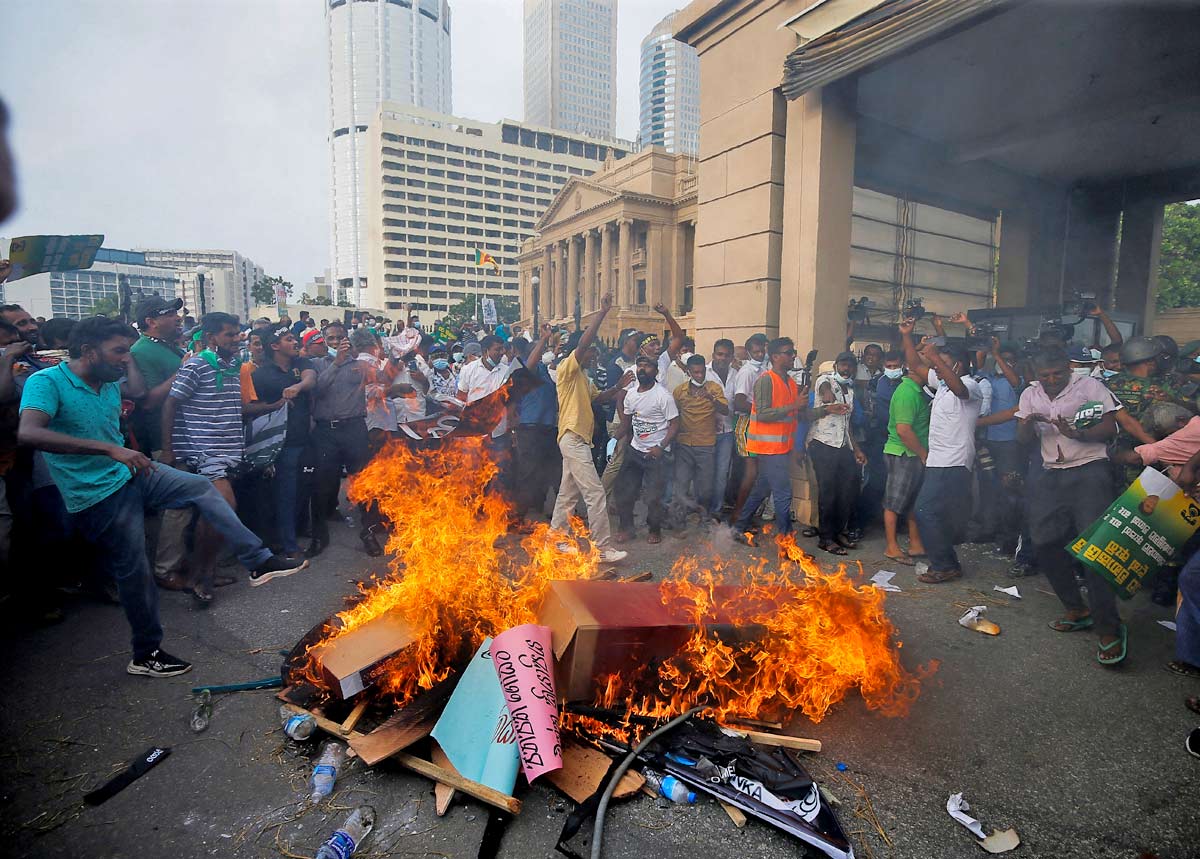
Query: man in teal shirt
905,451
72,413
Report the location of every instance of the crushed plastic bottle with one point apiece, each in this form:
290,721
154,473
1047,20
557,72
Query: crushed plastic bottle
669,786
202,715
325,772
347,839
298,726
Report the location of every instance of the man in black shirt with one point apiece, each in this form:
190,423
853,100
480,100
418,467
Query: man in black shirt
284,375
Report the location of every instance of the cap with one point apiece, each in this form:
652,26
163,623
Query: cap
626,334
157,306
646,338
1081,355
310,336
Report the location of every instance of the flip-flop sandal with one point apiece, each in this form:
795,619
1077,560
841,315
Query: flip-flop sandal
654,539
846,542
810,532
1065,625
906,560
202,596
223,581
1192,703
1103,650
832,548
936,577
1184,669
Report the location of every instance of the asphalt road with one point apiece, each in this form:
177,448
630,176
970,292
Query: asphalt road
1083,761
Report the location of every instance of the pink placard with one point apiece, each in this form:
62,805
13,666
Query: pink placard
524,663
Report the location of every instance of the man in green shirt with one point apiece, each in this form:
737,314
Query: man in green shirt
905,451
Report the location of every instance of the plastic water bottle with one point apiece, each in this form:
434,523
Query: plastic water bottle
669,786
298,726
344,842
325,773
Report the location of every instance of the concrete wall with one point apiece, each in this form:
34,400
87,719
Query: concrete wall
1182,323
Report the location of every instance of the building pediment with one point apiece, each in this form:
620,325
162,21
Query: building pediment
578,195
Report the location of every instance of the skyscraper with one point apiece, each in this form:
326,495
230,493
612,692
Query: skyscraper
571,65
379,50
669,91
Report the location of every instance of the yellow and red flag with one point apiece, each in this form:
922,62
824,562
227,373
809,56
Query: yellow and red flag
483,258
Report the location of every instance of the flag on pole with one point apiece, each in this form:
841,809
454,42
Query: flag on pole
482,258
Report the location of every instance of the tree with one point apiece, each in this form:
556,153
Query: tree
344,303
106,306
321,301
305,298
263,292
1179,258
508,310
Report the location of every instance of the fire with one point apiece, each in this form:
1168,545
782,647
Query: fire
457,576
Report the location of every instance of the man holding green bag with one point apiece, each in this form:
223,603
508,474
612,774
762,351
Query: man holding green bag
1074,490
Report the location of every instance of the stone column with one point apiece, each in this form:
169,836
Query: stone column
589,271
562,308
572,274
657,270
1137,268
546,287
605,263
817,200
624,251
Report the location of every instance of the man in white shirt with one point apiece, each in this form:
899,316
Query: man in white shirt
476,381
721,371
943,506
650,420
743,398
834,454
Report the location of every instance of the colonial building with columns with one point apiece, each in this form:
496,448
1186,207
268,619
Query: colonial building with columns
629,228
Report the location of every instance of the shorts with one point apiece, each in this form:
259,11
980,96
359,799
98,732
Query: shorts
216,467
904,476
741,430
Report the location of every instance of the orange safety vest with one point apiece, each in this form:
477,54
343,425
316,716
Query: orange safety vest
769,438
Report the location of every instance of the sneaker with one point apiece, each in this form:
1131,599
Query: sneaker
1021,570
275,568
612,556
158,664
568,548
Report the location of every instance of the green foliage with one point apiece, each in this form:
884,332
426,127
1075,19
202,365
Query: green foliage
1179,259
263,292
305,298
344,303
321,301
106,306
508,310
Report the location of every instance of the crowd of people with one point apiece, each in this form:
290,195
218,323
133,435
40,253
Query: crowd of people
221,441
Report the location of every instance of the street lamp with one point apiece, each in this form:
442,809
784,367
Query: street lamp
201,298
535,282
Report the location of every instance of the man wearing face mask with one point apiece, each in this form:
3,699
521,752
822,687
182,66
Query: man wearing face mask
999,517
650,420
539,462
835,454
702,406
721,371
748,374
943,505
71,411
443,378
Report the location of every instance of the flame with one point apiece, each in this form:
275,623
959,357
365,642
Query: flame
809,636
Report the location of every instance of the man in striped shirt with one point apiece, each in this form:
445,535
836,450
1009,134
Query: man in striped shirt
202,430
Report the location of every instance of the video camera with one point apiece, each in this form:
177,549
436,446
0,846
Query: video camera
857,311
803,377
981,339
914,310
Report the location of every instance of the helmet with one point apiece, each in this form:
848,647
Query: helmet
1137,350
1170,352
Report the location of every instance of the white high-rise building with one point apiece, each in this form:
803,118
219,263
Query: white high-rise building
669,91
571,65
379,50
210,279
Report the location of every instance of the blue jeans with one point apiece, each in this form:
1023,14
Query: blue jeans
773,479
287,479
116,526
942,509
722,458
1187,619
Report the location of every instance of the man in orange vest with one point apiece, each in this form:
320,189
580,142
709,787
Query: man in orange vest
773,416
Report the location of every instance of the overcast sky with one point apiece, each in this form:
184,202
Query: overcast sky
203,123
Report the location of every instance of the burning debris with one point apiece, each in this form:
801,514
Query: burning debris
738,640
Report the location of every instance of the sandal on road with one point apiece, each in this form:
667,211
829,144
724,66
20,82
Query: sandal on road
1067,625
902,558
936,577
654,539
1114,652
832,548
1184,669
1192,703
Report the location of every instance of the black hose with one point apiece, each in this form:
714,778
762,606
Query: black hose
598,833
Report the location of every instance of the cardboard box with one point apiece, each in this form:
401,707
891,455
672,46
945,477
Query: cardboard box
601,627
352,662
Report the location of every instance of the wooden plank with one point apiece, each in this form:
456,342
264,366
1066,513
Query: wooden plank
401,730
472,788
753,723
584,769
735,814
355,714
800,743
443,794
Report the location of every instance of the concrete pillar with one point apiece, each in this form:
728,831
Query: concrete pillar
572,273
546,287
657,268
1137,269
679,254
624,253
562,308
589,271
605,260
817,199
1091,243
1016,248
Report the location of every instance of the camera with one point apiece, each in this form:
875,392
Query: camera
1079,305
981,339
857,311
914,310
